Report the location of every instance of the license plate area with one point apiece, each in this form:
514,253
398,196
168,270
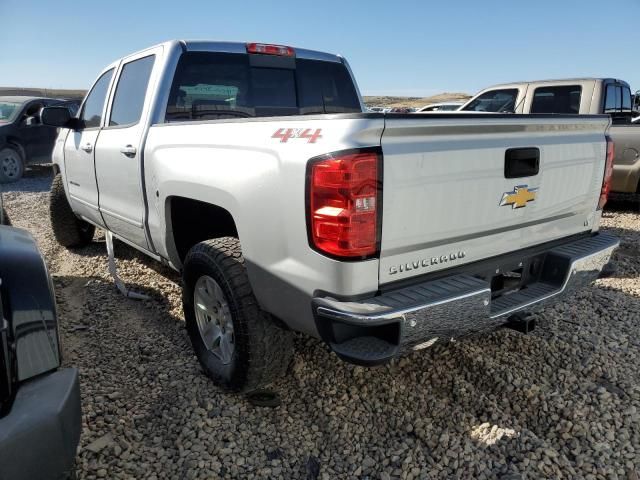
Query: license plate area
511,277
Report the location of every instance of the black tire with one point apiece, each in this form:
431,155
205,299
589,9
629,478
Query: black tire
68,229
262,349
11,164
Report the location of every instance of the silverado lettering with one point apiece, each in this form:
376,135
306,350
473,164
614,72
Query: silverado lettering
426,262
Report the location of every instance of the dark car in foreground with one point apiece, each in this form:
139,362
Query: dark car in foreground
23,139
40,417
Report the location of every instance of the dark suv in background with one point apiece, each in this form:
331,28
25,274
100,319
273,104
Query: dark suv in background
23,139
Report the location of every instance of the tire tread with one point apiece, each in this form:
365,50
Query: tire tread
268,347
68,229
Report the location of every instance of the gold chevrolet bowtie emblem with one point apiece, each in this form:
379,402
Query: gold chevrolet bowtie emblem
519,196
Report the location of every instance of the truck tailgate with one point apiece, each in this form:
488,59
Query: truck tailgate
446,198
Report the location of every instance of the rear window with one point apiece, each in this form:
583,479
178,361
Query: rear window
618,103
564,99
502,101
211,86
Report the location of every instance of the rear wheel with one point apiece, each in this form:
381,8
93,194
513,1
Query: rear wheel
11,164
240,346
68,229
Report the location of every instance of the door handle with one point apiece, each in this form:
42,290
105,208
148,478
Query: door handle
87,148
129,151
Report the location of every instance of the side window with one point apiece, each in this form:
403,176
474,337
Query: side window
91,115
131,92
557,99
503,101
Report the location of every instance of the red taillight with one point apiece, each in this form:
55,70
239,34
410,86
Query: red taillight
267,49
344,196
608,171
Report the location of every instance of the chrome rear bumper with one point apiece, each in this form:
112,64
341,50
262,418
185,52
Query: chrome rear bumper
373,330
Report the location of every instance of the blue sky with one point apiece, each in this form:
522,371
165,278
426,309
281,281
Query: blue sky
394,47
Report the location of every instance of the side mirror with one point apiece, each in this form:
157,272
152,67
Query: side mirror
56,117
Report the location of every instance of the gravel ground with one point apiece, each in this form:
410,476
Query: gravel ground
562,402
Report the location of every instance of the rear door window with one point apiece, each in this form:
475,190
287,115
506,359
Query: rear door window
565,99
502,101
131,92
210,86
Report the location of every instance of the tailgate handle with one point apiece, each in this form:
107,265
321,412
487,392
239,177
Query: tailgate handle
521,162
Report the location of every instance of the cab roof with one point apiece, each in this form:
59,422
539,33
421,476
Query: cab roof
238,47
558,80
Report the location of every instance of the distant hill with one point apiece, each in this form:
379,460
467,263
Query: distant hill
388,101
43,92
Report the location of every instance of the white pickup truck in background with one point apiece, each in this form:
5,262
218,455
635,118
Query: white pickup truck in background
584,96
251,169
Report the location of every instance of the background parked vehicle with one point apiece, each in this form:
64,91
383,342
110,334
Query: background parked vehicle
23,139
401,110
40,418
587,96
440,107
324,224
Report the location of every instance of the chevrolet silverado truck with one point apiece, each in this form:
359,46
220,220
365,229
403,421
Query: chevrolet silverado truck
586,96
253,171
40,417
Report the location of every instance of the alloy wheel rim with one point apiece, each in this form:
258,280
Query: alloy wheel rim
10,164
213,318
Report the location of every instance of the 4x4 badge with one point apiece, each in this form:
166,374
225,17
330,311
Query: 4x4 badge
519,196
284,134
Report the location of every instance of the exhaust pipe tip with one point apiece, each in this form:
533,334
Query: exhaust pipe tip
521,322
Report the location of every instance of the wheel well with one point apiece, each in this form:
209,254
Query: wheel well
193,221
16,143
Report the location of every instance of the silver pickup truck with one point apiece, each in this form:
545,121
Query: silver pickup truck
587,96
251,169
